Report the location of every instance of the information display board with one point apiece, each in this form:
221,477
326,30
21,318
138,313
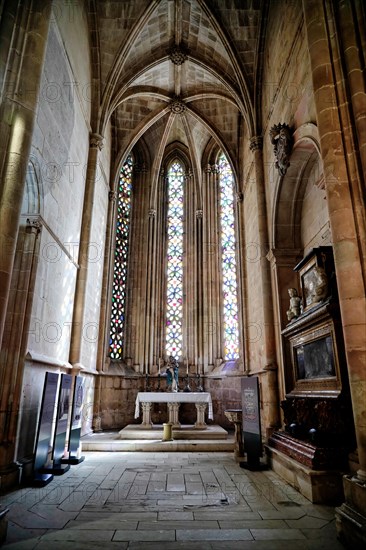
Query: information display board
43,454
61,424
251,421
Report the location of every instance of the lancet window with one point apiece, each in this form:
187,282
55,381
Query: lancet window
119,289
174,280
228,260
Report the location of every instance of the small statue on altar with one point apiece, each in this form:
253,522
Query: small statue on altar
172,374
295,304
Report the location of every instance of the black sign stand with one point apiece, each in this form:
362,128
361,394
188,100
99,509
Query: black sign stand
75,429
251,423
42,456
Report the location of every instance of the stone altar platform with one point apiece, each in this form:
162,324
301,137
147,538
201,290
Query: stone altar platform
138,431
213,438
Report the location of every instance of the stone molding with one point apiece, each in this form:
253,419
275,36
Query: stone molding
239,197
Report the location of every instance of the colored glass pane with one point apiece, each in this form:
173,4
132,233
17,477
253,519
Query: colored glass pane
118,314
174,308
228,259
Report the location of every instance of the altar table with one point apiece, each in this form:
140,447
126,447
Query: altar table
200,399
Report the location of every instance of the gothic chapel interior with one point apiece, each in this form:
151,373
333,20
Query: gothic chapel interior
169,170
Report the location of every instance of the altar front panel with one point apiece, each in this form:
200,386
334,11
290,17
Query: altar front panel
179,397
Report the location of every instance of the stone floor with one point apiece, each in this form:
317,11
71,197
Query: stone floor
166,500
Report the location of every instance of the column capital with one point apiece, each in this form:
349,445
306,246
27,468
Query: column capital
112,196
152,212
256,143
96,141
199,214
34,224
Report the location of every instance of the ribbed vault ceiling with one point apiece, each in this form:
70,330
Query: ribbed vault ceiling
177,70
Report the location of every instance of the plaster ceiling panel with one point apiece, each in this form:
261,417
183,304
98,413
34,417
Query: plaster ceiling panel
203,41
115,22
241,20
223,117
130,115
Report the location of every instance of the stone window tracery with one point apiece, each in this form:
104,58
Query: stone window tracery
119,289
228,260
174,270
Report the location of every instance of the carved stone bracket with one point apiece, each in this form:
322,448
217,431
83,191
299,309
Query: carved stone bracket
199,214
96,140
282,139
177,55
152,213
177,106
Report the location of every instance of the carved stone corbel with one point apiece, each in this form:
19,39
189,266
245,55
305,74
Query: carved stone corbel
282,139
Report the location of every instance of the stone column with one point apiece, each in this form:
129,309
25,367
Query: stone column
269,365
150,293
343,184
21,63
199,348
173,409
200,422
14,346
347,236
95,146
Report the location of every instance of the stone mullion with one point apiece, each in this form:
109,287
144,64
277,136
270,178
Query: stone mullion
106,293
15,344
190,283
241,279
159,282
217,326
95,147
347,237
207,255
149,290
135,320
19,105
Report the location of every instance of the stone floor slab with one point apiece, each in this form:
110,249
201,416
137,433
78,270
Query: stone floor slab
208,534
143,536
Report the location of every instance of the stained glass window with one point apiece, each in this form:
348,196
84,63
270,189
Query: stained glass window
228,259
174,308
117,333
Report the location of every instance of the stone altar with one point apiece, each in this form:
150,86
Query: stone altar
201,400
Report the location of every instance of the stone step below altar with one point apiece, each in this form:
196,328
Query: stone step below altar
201,441
137,431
